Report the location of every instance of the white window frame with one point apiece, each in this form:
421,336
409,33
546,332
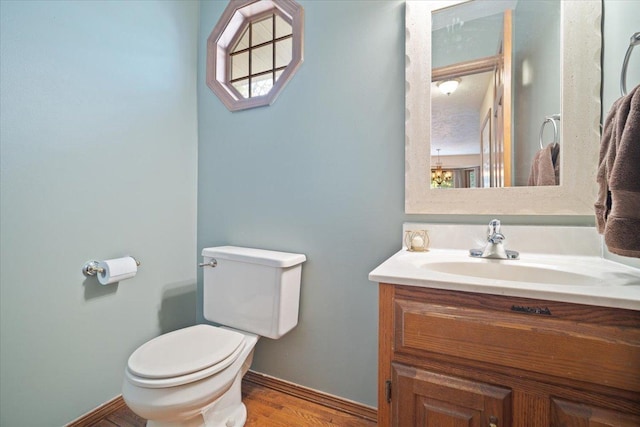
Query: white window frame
235,18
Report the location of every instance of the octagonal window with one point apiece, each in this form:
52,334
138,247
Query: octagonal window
260,56
253,51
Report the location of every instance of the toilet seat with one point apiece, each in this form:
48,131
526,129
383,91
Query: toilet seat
184,356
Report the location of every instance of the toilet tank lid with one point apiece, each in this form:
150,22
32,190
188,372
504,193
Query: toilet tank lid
255,256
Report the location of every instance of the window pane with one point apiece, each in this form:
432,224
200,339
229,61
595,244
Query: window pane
262,31
240,65
278,74
261,85
284,51
243,43
242,86
262,59
282,27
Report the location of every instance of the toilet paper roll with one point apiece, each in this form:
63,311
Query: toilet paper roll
115,270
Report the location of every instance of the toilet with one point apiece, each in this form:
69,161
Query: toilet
192,377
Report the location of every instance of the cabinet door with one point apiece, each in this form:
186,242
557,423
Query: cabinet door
429,399
570,414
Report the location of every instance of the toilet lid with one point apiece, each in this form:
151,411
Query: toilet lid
184,351
183,379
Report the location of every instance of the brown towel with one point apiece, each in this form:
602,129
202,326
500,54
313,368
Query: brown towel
618,204
545,169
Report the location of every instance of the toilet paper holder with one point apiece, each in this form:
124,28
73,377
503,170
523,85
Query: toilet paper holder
91,268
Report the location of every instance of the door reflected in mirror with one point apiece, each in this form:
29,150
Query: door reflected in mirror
496,81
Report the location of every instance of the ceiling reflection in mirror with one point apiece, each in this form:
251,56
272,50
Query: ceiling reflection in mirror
505,58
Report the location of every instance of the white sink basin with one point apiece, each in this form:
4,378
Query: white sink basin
579,279
513,271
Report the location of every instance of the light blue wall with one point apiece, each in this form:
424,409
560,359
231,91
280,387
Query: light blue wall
98,151
465,40
320,172
620,22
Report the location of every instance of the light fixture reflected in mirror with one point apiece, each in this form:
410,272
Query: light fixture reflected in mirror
447,87
438,175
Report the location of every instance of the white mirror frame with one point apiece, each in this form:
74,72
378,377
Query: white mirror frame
580,124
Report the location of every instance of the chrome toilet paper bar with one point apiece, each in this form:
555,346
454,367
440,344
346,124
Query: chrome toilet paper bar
91,268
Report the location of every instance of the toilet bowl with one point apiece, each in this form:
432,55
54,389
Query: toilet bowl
206,390
193,376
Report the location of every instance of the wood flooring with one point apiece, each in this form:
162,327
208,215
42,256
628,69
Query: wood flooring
266,408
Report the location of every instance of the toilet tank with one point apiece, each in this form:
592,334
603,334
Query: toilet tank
254,290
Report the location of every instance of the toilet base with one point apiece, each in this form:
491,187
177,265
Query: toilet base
235,418
188,405
227,411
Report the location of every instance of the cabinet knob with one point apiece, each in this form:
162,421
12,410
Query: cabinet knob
493,421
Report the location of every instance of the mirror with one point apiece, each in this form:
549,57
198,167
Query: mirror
493,52
578,129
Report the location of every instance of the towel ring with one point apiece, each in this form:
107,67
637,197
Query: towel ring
635,40
552,120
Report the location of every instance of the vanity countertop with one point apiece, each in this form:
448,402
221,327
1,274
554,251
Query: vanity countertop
581,279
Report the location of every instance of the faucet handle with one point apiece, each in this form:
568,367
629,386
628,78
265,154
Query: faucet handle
494,235
494,227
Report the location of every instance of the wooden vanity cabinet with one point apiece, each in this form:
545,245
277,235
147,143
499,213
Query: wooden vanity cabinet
449,358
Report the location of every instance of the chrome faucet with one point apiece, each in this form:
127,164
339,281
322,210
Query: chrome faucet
494,249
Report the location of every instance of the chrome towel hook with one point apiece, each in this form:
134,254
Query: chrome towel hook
634,41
